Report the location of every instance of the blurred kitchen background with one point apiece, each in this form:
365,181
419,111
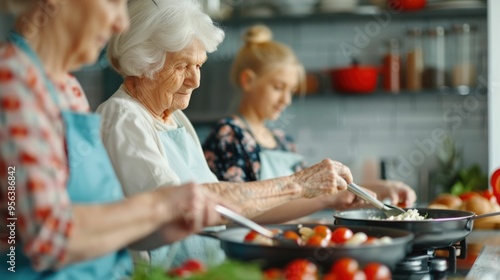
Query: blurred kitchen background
393,129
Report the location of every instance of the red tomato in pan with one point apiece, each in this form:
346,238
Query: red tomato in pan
341,235
370,240
323,231
292,235
250,236
317,240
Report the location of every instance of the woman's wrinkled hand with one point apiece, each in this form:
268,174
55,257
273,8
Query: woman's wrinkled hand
325,178
397,192
191,208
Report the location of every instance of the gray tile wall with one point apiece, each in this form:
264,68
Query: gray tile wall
359,130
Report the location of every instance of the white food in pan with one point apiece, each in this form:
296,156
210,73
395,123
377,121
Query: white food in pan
410,215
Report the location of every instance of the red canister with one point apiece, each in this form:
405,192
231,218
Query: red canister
406,5
354,79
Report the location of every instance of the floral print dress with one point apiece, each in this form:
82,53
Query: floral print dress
232,152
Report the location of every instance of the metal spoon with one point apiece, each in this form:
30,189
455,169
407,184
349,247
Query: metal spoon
239,219
389,210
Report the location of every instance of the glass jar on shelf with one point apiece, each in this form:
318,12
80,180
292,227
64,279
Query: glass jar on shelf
414,59
434,74
392,67
464,64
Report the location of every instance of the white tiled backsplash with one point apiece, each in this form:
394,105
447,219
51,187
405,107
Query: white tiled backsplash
353,130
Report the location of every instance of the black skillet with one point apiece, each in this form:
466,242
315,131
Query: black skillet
279,255
441,228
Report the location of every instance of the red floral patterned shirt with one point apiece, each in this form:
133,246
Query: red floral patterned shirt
33,158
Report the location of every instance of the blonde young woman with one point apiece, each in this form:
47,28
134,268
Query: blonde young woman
242,148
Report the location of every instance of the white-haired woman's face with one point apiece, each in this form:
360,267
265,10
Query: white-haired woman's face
180,76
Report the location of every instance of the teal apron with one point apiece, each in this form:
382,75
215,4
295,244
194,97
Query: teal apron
275,162
91,180
186,160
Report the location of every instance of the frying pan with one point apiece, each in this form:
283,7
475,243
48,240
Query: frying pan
279,255
441,228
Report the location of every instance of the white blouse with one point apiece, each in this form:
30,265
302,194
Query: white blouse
130,134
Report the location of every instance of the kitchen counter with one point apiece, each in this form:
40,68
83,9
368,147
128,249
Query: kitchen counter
483,256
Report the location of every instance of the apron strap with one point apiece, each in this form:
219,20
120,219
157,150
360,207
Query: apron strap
247,125
280,145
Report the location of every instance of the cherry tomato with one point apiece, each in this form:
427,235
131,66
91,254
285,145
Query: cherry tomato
323,231
273,274
193,265
250,236
299,269
317,240
377,271
371,240
180,272
345,268
341,235
292,235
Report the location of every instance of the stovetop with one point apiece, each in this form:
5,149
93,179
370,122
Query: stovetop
432,264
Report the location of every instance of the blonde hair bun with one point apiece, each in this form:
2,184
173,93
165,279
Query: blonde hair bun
258,34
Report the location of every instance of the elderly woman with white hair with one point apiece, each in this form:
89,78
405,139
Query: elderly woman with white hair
151,142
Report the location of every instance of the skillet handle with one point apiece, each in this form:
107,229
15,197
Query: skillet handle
469,225
485,215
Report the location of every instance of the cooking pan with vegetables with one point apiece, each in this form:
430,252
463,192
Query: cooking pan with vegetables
234,245
439,228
